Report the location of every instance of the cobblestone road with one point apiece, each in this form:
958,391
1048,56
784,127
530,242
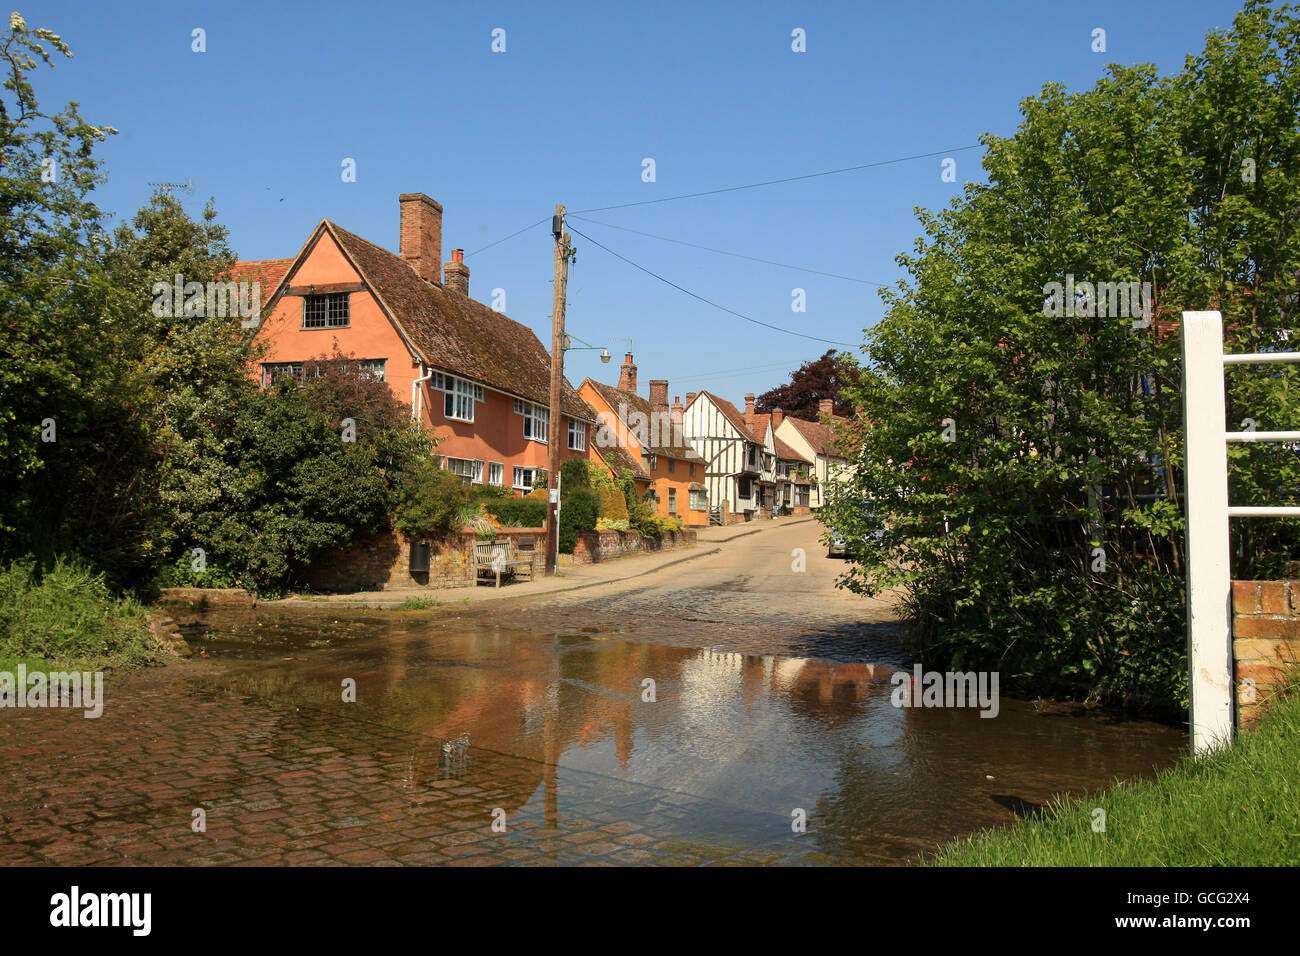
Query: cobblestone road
532,715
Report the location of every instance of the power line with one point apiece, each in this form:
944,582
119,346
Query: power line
775,182
531,225
723,252
739,315
730,189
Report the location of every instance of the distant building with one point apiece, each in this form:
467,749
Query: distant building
648,436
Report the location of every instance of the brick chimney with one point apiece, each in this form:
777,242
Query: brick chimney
778,417
690,397
420,242
659,394
627,375
456,273
826,406
678,410
749,407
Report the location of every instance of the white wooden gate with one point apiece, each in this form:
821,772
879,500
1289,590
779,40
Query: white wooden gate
1209,588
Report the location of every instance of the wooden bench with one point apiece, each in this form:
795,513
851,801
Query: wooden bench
500,557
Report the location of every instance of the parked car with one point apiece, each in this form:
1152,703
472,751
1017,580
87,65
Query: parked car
838,547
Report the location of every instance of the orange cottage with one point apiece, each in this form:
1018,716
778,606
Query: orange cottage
648,436
479,380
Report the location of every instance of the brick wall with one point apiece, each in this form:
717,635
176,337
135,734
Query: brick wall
594,547
1265,640
381,561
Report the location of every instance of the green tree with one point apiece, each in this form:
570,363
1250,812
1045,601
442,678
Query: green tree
1004,441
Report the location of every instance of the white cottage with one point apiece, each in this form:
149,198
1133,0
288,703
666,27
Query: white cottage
740,459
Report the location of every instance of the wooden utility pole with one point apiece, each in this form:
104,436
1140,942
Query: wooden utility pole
562,253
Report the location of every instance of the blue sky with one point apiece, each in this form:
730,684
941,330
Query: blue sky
713,93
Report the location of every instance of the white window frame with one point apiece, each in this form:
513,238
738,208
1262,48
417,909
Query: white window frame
459,396
699,501
535,416
577,430
473,474
496,473
532,476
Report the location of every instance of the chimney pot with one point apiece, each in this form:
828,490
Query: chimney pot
826,406
627,375
420,235
749,404
456,273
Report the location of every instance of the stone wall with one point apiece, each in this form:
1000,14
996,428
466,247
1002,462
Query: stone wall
1265,640
382,561
593,547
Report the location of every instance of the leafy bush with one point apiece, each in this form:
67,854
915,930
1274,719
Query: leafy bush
430,501
612,504
575,475
525,512
68,618
181,573
607,524
576,516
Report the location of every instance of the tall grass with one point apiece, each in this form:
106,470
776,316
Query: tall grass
1238,806
68,618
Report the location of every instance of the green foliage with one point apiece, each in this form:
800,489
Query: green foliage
519,512
608,524
181,574
1057,447
68,618
611,503
577,515
575,474
430,501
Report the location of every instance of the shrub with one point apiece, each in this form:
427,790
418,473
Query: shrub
612,504
607,524
527,512
430,501
575,475
576,516
68,618
471,518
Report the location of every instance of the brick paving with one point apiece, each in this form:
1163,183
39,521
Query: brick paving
306,787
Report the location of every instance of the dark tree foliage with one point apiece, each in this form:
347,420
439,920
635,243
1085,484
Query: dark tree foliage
813,381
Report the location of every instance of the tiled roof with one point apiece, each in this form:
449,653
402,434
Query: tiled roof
457,333
818,435
732,414
619,460
786,453
672,445
266,272
450,331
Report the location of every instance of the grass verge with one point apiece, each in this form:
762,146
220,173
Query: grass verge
1239,806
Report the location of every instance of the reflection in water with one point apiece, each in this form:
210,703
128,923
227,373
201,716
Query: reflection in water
555,727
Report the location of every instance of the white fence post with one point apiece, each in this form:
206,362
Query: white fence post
1209,587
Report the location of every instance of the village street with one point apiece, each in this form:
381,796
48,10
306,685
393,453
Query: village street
515,730
744,596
